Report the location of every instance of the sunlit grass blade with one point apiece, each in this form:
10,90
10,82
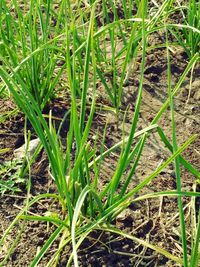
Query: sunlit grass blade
177,161
195,58
120,168
74,221
120,143
172,193
47,245
86,68
77,211
185,163
17,218
195,256
143,243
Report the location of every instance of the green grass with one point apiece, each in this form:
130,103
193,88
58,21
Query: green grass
40,74
188,34
30,73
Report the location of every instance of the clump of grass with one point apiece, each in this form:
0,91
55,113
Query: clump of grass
189,35
85,207
22,34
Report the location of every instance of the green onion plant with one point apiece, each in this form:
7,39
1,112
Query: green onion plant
75,168
188,35
23,32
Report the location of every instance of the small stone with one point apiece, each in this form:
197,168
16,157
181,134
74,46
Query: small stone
197,95
122,216
196,89
111,118
19,153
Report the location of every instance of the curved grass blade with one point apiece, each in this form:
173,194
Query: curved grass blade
77,210
17,218
176,161
185,163
195,257
46,246
143,243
